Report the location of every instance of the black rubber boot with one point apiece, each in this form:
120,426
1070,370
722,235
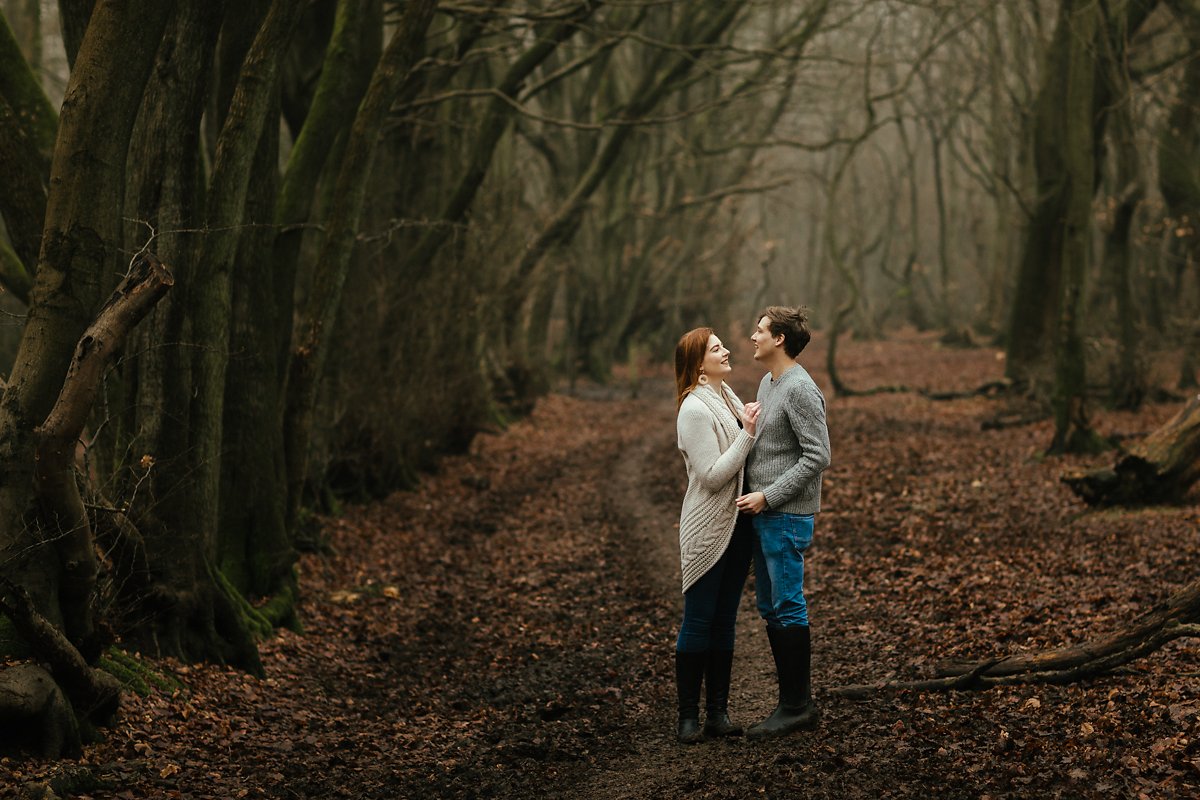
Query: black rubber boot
792,648
716,694
689,673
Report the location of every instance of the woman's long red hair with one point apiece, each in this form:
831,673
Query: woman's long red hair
689,357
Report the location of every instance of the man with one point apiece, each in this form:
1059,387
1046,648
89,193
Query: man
783,476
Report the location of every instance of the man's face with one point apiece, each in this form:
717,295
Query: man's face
765,344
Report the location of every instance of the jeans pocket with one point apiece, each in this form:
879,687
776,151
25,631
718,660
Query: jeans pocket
800,532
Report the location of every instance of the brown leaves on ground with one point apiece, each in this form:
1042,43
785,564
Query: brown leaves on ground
506,630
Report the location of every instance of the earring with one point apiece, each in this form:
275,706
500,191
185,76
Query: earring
702,380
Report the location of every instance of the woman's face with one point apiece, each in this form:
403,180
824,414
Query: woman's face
716,360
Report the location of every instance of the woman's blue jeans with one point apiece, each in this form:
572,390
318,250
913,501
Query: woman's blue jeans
780,542
710,605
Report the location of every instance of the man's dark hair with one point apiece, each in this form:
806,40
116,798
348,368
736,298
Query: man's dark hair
791,324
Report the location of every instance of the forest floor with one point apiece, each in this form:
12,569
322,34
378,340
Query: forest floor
506,630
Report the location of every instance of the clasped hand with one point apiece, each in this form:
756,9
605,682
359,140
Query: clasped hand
752,503
750,417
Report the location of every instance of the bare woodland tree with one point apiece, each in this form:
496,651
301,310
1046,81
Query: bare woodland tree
357,199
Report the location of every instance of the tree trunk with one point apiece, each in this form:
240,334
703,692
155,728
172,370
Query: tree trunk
1044,300
1158,469
81,245
1072,429
651,90
353,51
316,323
28,125
1179,179
1128,379
173,600
493,125
253,548
69,648
1035,306
74,16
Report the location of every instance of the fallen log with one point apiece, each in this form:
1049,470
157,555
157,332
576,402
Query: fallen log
1176,618
1157,469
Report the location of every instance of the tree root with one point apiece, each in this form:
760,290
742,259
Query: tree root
989,389
1177,618
93,693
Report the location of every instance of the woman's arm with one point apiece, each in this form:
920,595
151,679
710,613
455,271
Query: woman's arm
698,439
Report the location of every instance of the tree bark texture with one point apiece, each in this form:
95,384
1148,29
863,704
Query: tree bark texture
1040,296
253,548
1072,428
211,304
1179,181
175,602
353,50
1128,379
80,246
66,520
74,17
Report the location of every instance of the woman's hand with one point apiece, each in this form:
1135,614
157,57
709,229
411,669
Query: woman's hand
752,503
750,417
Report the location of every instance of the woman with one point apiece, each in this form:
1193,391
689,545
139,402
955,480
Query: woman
715,542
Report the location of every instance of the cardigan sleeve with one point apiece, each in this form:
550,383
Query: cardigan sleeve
698,440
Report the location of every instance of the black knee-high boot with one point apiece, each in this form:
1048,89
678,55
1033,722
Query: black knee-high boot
716,693
792,648
689,673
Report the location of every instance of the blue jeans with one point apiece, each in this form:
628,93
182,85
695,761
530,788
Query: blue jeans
710,605
780,542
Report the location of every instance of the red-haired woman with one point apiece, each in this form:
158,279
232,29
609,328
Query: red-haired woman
716,543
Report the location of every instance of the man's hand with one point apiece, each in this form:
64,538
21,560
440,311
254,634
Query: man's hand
752,503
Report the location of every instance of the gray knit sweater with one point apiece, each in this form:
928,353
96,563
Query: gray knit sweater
714,451
792,446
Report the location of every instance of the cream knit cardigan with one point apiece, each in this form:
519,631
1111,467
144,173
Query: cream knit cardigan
714,450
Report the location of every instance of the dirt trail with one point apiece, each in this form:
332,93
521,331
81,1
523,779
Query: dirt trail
643,497
506,629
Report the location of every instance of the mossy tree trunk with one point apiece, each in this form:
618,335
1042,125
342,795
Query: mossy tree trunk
27,128
1179,180
1069,118
325,295
253,548
210,306
165,570
1035,309
1072,429
81,243
80,248
1159,468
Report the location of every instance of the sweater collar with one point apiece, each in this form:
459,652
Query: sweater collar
711,396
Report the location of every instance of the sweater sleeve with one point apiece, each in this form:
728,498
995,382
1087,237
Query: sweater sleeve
806,416
698,440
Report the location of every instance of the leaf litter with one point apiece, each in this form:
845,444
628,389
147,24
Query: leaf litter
505,630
